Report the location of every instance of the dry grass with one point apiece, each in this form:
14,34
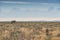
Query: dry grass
30,31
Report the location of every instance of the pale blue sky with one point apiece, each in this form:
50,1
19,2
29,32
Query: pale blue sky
9,9
40,1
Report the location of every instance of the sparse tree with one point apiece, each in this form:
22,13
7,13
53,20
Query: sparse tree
14,21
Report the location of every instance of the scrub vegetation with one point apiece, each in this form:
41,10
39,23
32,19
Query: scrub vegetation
29,30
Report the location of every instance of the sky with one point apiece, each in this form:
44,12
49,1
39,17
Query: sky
30,10
44,1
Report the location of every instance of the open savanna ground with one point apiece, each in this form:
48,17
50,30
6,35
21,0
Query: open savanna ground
30,31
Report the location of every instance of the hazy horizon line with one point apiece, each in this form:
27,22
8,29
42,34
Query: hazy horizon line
30,19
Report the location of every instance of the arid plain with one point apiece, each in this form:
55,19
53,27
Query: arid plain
30,31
